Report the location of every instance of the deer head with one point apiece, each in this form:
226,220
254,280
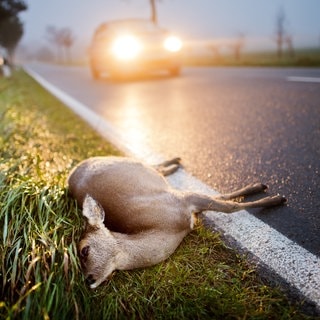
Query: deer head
98,247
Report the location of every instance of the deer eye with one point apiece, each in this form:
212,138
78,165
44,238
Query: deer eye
84,252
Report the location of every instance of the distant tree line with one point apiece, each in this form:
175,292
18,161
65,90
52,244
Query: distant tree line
63,39
282,38
11,27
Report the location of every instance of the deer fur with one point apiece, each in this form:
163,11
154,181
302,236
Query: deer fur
135,218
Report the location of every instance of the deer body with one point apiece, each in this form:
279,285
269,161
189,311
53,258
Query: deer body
134,218
129,193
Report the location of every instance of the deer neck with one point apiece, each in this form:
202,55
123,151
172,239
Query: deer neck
145,249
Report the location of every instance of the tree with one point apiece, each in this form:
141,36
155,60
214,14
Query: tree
63,39
11,28
66,38
52,37
44,54
9,8
214,49
238,45
289,42
11,32
280,31
282,35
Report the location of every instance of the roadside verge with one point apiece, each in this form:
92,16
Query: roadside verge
292,263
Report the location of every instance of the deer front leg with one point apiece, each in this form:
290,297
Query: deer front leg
246,191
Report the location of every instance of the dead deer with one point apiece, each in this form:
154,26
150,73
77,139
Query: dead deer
134,218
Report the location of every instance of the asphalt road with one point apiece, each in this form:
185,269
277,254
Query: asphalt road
231,126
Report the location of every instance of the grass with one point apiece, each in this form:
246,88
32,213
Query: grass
40,225
301,58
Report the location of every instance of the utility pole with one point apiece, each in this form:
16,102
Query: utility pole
154,17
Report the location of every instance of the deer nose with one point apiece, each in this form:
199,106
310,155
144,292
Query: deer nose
90,280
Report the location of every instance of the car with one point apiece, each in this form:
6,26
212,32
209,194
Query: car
123,47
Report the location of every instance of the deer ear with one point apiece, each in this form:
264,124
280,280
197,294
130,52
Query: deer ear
93,211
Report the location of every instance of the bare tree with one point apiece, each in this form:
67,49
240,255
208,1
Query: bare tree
63,39
282,35
238,45
280,31
44,54
289,42
67,39
53,39
214,49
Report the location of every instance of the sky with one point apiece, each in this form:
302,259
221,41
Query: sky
193,20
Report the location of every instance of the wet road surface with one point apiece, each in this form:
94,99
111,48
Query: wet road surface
231,126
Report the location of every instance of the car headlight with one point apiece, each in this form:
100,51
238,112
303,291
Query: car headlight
173,44
126,47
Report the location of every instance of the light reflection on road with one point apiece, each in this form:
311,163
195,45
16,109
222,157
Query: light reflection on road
132,122
146,119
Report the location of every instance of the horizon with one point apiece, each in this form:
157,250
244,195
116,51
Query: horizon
206,22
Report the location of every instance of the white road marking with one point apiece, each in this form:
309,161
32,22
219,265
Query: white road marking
293,263
304,79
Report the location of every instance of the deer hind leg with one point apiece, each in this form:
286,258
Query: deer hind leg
246,191
201,203
168,167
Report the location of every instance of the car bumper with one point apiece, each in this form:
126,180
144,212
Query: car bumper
139,64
